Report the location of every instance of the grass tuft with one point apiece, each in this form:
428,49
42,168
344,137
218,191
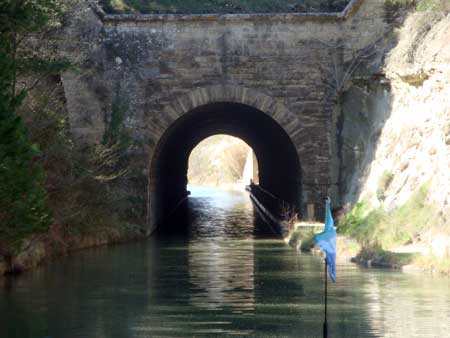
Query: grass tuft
400,226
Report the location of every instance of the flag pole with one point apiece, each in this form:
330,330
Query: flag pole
325,323
326,240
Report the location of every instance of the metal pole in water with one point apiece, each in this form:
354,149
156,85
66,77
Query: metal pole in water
325,323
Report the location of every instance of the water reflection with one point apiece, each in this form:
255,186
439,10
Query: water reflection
218,280
408,305
221,250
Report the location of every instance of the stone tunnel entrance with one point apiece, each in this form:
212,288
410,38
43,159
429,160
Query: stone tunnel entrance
181,78
279,166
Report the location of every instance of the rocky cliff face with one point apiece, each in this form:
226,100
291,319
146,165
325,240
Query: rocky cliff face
395,125
415,142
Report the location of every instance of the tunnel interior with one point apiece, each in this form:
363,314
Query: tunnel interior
278,162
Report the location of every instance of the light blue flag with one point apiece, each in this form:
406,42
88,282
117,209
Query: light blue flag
326,240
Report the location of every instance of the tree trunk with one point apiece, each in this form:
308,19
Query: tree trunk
8,258
9,263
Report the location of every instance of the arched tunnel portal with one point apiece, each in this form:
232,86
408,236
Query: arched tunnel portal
278,161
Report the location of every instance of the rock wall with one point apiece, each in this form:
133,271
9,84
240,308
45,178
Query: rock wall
396,122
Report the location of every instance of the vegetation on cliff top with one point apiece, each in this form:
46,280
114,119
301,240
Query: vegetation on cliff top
222,6
422,5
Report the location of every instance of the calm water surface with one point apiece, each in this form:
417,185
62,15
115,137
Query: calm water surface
221,278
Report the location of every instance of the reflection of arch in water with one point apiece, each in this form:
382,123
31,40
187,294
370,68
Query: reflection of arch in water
222,273
221,255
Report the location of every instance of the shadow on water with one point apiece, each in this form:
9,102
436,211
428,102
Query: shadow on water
218,278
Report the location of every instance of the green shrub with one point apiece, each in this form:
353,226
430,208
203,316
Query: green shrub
372,227
23,199
302,238
377,253
359,222
433,5
406,223
83,182
384,182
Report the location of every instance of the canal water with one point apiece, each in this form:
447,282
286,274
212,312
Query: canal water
225,276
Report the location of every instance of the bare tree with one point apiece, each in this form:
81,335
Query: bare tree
344,71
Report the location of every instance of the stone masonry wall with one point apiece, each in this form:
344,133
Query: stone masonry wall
160,67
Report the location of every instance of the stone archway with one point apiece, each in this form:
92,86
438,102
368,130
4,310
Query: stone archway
254,117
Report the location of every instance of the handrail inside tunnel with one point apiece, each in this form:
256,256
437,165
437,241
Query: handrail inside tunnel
276,212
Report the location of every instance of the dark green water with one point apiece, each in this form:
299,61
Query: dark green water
222,279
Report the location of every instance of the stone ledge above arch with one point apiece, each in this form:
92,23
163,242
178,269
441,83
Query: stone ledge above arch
351,8
235,94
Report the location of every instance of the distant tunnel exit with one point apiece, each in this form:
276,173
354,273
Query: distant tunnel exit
278,163
222,162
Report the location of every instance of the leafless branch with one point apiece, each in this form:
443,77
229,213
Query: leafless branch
342,78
